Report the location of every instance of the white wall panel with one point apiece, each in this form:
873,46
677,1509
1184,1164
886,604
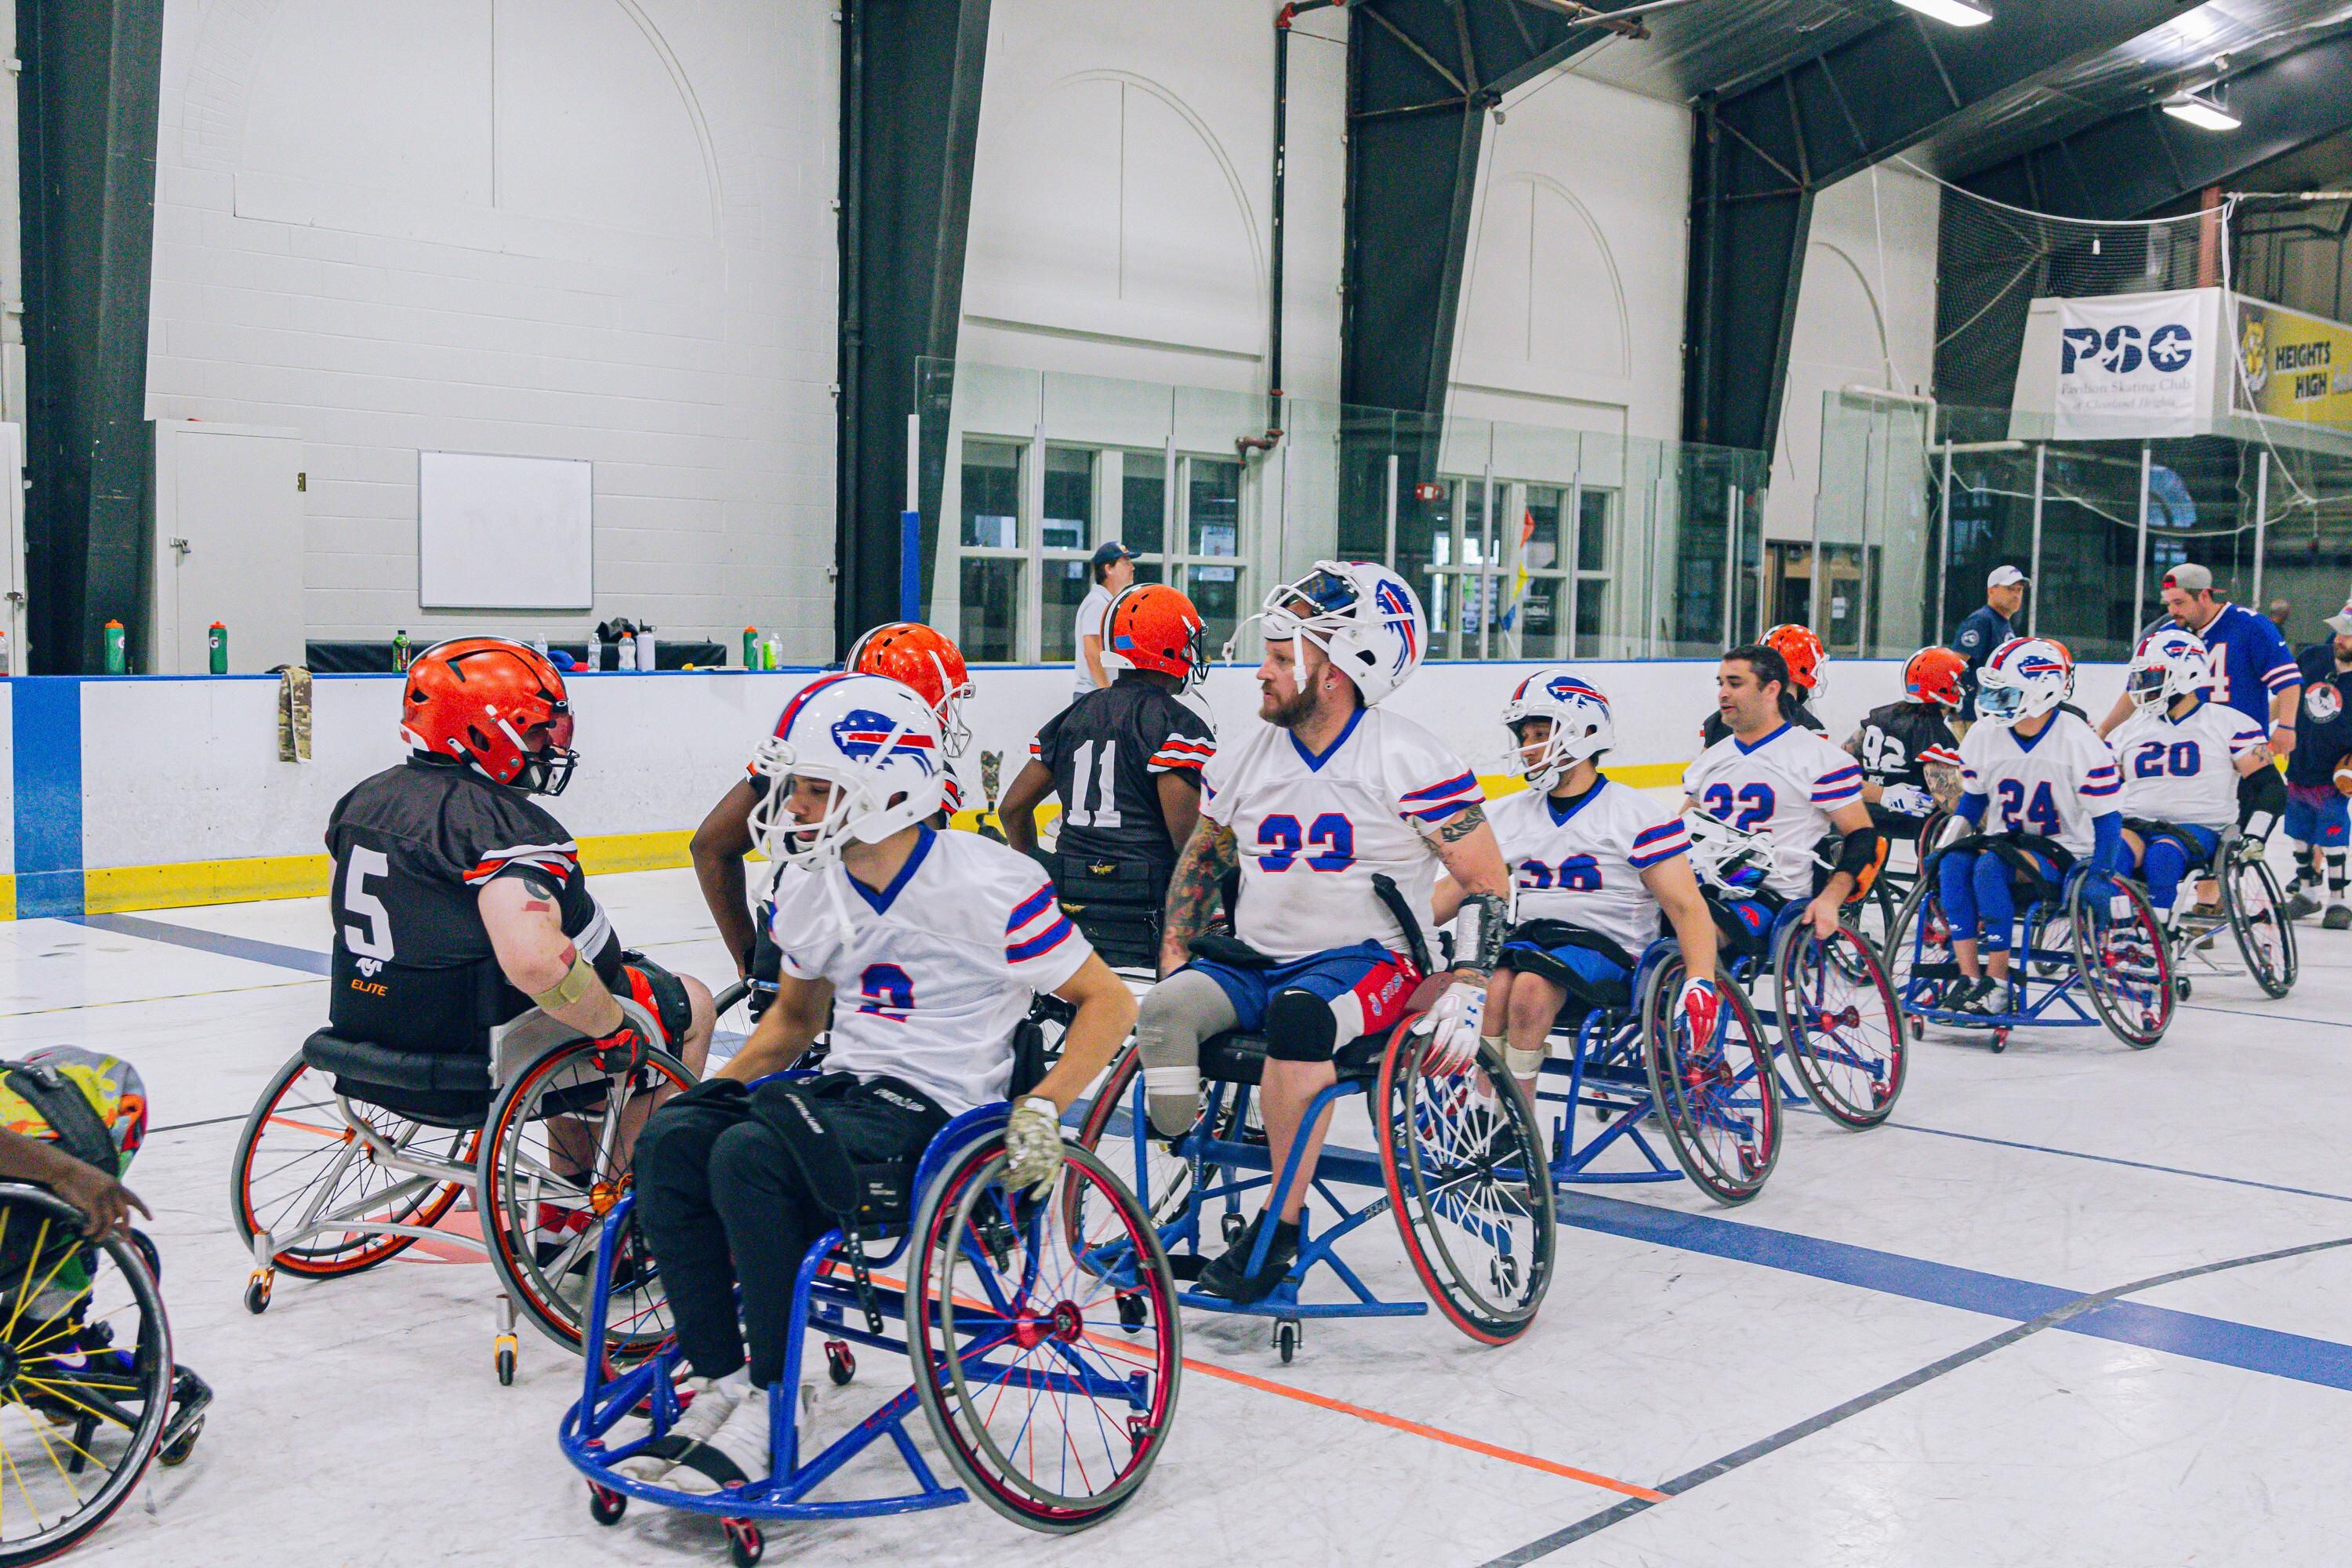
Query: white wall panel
593,229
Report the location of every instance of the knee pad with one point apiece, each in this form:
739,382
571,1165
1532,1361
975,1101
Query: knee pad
1300,1027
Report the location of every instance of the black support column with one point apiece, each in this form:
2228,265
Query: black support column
910,81
88,100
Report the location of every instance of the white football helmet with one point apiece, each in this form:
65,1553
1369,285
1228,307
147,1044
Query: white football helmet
2024,678
2169,663
1580,724
1725,858
876,741
1364,617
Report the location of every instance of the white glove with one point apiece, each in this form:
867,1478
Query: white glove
1908,800
1452,1029
1032,1145
2120,911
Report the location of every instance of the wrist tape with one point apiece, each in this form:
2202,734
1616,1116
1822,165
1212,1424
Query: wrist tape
577,982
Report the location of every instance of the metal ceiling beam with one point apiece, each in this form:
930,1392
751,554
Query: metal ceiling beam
910,83
1763,154
2137,163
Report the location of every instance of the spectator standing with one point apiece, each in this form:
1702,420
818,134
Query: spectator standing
1113,568
1986,628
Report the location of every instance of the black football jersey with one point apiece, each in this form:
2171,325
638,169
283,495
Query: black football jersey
1792,709
1896,741
1107,751
413,847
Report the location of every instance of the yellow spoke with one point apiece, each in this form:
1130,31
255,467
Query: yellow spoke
10,1466
25,1294
64,1397
61,1438
63,1258
41,1431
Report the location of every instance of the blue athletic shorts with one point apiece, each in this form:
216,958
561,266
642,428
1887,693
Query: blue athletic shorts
1380,981
1596,967
2318,815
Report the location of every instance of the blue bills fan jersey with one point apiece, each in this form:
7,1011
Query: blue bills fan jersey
930,974
1314,829
1786,784
2250,662
2184,770
2054,784
1584,864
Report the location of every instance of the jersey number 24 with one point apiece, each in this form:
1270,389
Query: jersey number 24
2037,815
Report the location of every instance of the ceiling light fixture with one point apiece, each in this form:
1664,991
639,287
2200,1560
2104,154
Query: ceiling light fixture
2206,109
1956,13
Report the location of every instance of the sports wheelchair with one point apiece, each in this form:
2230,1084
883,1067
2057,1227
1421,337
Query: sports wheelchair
1457,1159
90,1391
2252,909
1065,1303
2074,963
356,1152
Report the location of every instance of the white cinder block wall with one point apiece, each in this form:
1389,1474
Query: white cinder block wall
593,229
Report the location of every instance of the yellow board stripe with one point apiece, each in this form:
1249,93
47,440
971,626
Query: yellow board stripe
115,890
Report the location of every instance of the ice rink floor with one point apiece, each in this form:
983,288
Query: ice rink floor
2075,1305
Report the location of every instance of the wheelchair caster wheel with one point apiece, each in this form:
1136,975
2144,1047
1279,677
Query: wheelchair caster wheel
2181,987
1132,1313
839,1364
1918,1026
177,1450
507,1350
1503,1273
256,1293
1231,1226
744,1544
1285,1338
2000,1041
605,1506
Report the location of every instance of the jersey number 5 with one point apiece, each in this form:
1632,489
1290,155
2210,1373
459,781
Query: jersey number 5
375,941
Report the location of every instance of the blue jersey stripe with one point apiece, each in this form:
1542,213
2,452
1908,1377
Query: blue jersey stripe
1038,946
1037,904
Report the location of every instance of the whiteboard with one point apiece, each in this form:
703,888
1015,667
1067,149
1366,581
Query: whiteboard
504,533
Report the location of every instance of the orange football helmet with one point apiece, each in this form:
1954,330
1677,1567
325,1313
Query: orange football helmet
1802,651
1150,626
495,703
927,659
1933,675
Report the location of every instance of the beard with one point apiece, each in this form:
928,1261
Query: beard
1287,715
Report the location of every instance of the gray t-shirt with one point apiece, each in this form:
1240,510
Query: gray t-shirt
1091,610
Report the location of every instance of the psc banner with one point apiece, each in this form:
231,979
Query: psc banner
2133,366
2293,366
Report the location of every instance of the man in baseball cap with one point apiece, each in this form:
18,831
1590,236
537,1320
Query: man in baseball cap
1113,567
1986,628
2317,823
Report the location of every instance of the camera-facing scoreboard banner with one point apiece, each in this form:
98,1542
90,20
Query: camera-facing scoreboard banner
2293,366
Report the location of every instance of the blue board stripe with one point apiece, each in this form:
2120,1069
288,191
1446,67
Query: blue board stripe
45,733
302,958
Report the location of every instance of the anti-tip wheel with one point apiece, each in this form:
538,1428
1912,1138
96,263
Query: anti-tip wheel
1285,1338
256,1294
2000,1040
506,1366
2180,987
605,1506
839,1364
177,1450
744,1543
1133,1313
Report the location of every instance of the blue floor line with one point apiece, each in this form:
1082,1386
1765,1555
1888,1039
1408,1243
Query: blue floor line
2306,1359
2118,1160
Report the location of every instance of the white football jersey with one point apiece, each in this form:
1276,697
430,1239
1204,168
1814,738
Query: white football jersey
1786,785
1585,866
2054,784
1314,830
934,972
2184,771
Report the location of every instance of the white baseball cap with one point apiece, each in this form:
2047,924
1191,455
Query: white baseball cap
2004,576
2340,623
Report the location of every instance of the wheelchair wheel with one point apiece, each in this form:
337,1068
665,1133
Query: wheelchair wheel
554,1160
1146,1168
297,1164
732,1007
1046,1356
1470,1186
2250,897
1838,1018
1717,1099
2123,965
86,1375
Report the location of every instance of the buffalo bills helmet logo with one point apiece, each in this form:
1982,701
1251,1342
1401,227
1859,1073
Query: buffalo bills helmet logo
862,733
2039,664
1567,688
1389,598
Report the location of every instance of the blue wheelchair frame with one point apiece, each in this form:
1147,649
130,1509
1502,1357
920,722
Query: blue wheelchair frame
833,1305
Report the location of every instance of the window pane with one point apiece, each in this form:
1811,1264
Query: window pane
1213,508
1066,583
1070,520
1592,607
1143,503
1539,619
1593,531
992,610
1474,521
991,495
1215,591
1543,549
1149,572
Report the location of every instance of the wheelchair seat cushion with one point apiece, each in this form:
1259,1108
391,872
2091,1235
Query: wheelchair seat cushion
452,1090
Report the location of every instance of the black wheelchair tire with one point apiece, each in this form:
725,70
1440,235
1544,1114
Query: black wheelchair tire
2275,979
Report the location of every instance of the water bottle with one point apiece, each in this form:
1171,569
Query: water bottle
117,660
596,649
216,645
645,648
751,648
771,653
400,649
628,648
4,654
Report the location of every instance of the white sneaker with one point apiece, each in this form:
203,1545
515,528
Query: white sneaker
736,1453
713,1403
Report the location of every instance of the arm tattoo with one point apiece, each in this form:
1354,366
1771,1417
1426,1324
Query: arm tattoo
1944,784
1209,854
1461,825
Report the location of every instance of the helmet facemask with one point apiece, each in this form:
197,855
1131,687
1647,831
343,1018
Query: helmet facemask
548,769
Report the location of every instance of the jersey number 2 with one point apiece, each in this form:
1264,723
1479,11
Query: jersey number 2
887,991
1749,810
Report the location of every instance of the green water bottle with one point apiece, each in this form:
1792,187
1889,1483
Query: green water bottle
217,644
115,659
400,650
751,648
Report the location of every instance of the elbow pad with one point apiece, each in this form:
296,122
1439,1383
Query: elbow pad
1480,928
1858,856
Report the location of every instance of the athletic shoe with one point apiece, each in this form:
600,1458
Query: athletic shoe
1963,995
709,1411
1988,1000
734,1454
2339,918
1224,1277
2300,903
